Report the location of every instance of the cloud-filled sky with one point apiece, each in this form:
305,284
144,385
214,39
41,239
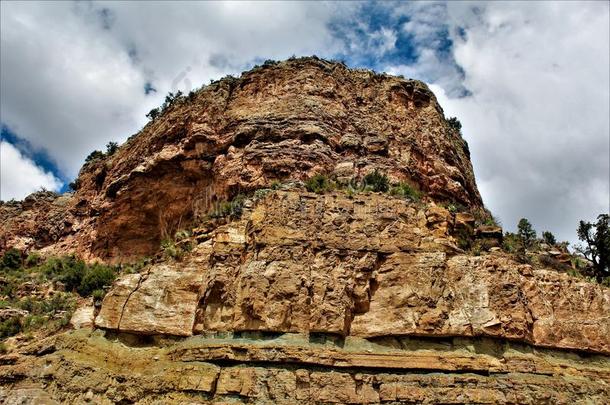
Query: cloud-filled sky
530,82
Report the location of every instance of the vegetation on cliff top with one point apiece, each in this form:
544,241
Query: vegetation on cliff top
590,259
596,245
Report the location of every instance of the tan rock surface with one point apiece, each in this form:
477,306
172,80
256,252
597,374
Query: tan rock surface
302,298
162,301
366,266
84,367
83,316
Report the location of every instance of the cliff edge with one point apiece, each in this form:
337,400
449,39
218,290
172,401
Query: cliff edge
315,235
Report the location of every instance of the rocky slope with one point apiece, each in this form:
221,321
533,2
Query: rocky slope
280,121
291,296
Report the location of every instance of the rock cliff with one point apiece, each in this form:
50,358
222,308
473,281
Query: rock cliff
291,296
281,121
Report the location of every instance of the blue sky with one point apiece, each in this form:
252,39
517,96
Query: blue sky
529,81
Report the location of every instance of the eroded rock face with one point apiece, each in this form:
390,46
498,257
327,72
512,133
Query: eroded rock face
304,298
366,266
290,120
85,367
40,220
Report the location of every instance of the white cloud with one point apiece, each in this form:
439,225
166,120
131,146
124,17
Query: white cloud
73,74
19,176
537,121
66,87
426,28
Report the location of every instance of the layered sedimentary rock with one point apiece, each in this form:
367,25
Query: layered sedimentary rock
364,266
349,296
293,368
288,120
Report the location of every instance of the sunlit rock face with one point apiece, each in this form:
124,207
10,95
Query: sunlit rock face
366,266
288,120
338,297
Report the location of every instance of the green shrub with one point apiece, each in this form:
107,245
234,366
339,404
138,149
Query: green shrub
8,288
111,148
57,303
407,191
75,274
455,124
181,235
237,205
318,184
10,327
11,260
170,99
492,220
510,242
27,304
95,155
261,192
526,233
96,277
135,267
153,114
74,185
376,181
233,208
3,348
33,259
224,209
68,269
33,322
170,250
464,239
549,238
596,245
98,295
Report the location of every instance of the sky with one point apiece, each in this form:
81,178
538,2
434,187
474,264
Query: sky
529,81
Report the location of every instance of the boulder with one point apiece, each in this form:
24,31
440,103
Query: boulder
489,236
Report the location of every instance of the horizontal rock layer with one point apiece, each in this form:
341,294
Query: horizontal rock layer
365,266
287,369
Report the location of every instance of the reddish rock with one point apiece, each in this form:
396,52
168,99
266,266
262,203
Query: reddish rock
339,297
278,122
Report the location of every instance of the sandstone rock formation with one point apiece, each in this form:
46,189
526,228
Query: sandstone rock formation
284,121
299,297
365,266
85,367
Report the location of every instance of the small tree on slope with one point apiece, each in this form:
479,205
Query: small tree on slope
596,248
526,232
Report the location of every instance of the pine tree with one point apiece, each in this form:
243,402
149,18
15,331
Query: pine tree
549,238
526,233
596,237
